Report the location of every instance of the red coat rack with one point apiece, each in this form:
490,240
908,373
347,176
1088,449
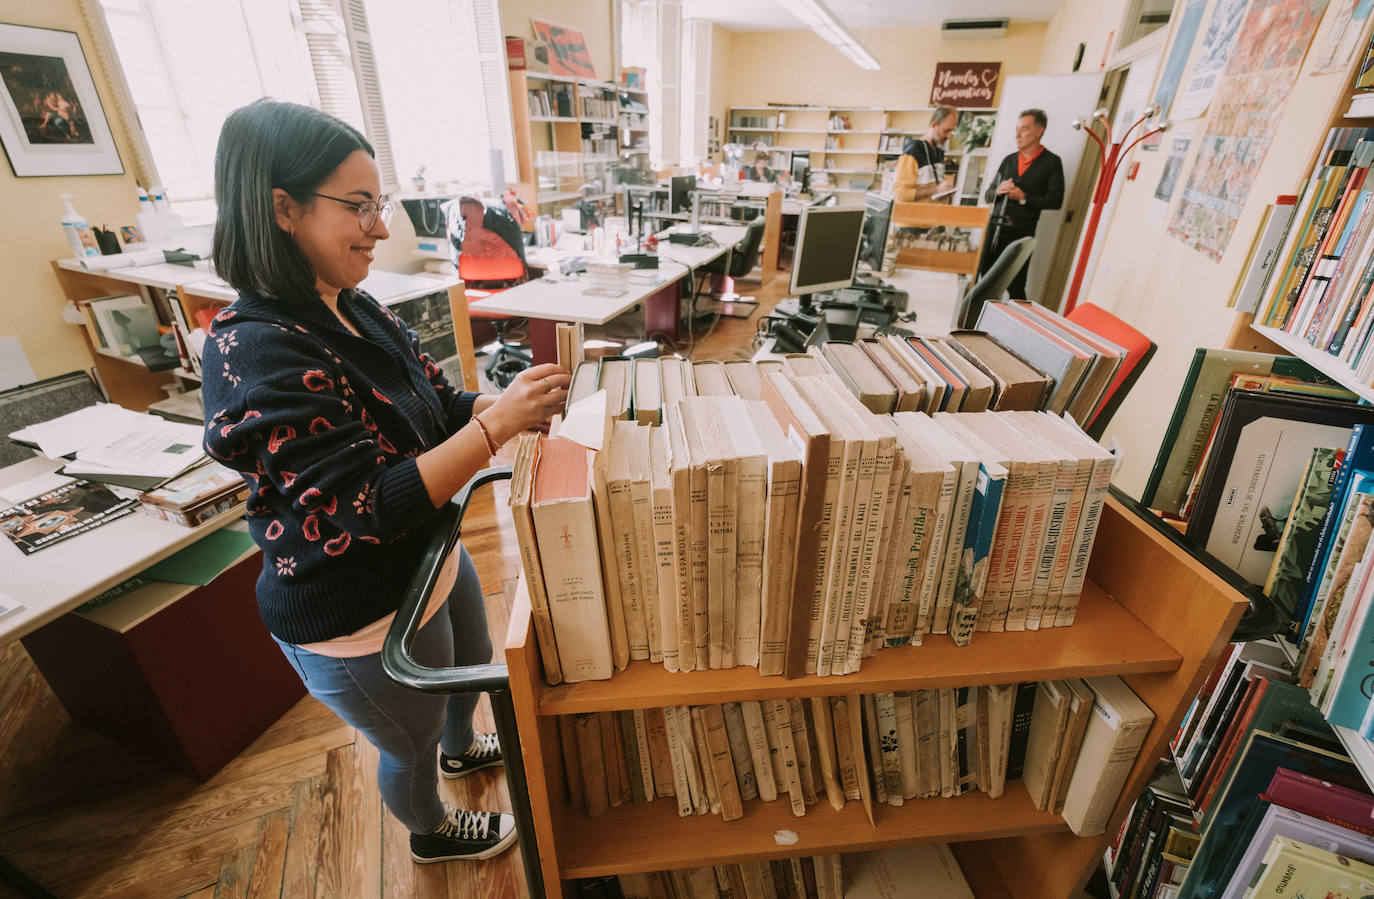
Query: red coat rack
1112,154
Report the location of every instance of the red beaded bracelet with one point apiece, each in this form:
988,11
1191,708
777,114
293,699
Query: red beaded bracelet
492,445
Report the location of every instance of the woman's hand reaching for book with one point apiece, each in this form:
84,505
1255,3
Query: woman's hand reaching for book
531,399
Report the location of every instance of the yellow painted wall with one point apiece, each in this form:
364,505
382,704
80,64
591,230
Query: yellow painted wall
591,17
1175,295
30,299
1092,23
799,67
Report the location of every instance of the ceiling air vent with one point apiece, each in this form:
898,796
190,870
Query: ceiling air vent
951,29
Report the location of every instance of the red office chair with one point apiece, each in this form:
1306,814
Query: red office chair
1139,350
488,264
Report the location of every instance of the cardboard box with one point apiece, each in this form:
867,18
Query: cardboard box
527,53
632,76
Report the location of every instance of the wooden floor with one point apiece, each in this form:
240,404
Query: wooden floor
296,815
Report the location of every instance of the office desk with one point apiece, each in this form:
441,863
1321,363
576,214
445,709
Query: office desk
190,678
546,303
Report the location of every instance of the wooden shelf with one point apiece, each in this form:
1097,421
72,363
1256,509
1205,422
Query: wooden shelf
1323,362
1151,613
631,837
1105,639
552,118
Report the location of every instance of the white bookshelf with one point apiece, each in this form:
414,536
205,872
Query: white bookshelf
1323,362
1360,750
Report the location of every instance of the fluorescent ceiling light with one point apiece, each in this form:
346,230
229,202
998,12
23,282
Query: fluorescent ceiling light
815,16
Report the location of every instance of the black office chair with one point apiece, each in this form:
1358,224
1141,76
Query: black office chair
739,261
995,280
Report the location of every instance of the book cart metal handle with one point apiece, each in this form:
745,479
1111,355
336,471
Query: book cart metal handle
491,679
1261,621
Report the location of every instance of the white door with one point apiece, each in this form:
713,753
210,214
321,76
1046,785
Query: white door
1064,98
1134,97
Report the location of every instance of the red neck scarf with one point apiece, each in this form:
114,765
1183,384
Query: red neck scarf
1024,162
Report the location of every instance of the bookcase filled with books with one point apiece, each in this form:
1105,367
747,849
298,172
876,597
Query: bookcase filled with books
1266,466
857,147
567,136
883,697
1306,296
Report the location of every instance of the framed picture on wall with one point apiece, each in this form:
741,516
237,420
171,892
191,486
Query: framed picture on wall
51,121
568,53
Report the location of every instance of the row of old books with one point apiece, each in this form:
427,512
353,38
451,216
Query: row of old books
800,534
966,372
928,870
1086,370
1025,358
879,748
1316,281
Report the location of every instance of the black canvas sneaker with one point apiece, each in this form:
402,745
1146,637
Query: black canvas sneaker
464,835
484,752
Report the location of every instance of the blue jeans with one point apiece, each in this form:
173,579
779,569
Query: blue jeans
404,725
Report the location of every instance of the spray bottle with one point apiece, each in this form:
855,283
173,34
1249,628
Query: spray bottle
78,231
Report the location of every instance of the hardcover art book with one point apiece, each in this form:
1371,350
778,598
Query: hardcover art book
1262,444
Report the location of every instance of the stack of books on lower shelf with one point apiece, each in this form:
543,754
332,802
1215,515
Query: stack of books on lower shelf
1254,764
799,534
930,871
883,748
1151,852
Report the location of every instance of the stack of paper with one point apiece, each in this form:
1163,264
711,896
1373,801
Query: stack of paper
116,446
608,279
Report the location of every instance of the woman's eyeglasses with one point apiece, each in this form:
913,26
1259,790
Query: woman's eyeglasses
368,210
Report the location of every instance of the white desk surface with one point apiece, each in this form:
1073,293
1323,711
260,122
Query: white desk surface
163,275
386,287
565,301
58,578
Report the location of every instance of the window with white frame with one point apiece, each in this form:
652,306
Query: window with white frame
414,75
696,90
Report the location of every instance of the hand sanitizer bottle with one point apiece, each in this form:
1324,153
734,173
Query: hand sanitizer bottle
171,222
78,231
149,223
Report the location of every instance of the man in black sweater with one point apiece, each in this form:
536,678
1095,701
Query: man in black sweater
1031,180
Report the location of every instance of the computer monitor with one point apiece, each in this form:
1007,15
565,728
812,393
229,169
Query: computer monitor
680,193
877,219
801,171
827,253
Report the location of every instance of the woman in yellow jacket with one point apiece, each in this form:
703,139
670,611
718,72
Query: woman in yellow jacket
921,167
